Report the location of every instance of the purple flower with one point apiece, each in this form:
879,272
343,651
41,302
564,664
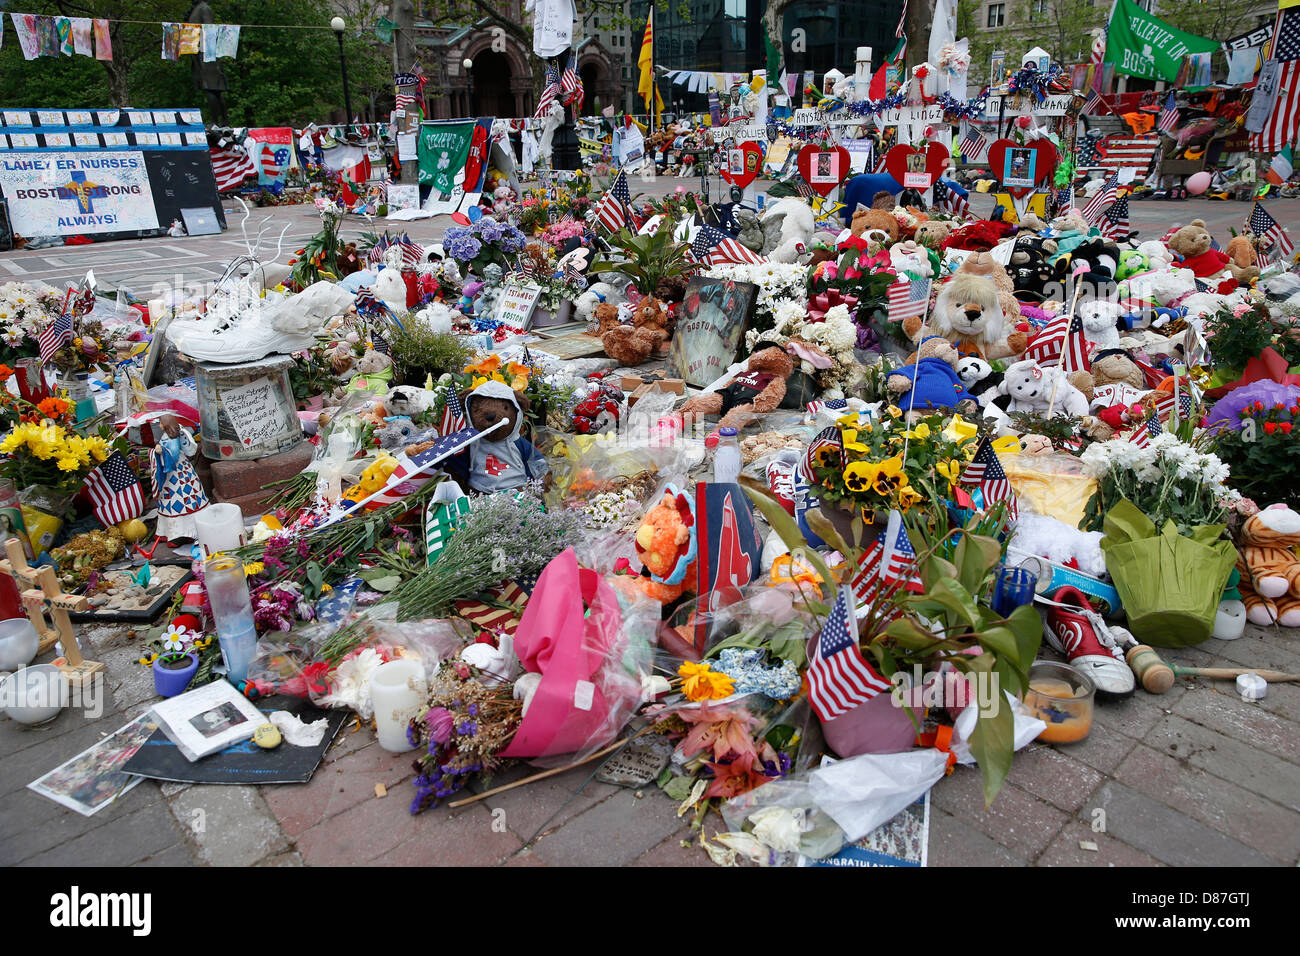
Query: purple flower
472,710
439,721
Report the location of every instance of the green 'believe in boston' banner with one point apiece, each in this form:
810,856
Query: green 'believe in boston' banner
443,149
1140,44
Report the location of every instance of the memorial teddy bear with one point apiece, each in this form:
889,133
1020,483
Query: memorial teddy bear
584,306
983,264
667,544
875,224
932,381
635,343
979,377
1243,263
1270,570
502,460
933,232
1032,388
1102,320
374,373
757,390
1192,244
968,314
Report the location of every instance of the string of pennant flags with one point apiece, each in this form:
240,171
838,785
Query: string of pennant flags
40,36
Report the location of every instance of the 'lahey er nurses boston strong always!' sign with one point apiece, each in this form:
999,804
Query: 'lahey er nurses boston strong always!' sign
77,192
1140,44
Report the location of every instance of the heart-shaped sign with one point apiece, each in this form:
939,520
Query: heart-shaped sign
743,164
913,168
1022,167
823,169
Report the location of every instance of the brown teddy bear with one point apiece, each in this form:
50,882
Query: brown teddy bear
757,390
349,260
1192,243
1242,260
635,343
933,232
876,220
983,264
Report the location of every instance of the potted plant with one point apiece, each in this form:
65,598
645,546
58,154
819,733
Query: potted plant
174,667
649,259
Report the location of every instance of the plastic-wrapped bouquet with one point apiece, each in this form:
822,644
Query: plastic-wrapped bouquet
25,309
835,334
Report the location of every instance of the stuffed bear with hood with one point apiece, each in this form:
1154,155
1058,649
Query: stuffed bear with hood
967,312
932,382
501,460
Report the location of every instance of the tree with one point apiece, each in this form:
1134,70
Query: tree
1062,27
1213,19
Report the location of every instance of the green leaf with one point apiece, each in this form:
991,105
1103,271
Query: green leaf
824,529
1002,642
779,520
993,745
974,558
679,788
908,634
956,599
315,575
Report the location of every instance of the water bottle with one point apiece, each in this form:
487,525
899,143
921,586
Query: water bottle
232,611
726,458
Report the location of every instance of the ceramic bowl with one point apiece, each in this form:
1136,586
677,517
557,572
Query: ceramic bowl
18,643
34,695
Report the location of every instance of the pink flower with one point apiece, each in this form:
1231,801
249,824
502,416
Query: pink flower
440,723
1240,309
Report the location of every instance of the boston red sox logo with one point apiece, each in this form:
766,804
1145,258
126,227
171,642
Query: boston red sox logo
495,466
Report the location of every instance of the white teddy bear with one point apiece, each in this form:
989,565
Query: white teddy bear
1100,319
1033,388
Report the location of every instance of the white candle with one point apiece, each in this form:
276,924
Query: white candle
397,692
220,527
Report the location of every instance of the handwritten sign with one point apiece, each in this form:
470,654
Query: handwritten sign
910,115
709,328
254,411
515,307
750,132
1051,106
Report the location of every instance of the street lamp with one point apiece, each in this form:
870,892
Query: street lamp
468,64
337,25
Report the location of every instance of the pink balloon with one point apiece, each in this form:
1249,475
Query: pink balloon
1197,183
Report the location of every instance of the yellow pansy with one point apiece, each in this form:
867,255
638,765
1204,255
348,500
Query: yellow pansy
908,496
920,433
895,411
858,476
888,476
849,439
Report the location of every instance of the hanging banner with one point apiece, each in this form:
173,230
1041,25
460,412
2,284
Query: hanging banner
1143,45
1256,37
272,152
443,149
55,193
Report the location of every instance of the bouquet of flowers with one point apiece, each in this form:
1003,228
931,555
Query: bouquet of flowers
1168,480
1262,454
319,258
465,724
558,233
482,242
24,311
834,333
778,284
52,456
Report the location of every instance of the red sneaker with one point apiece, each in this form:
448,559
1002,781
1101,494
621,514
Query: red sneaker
1072,628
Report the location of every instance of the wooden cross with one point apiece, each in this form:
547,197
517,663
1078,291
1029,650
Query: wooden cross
42,595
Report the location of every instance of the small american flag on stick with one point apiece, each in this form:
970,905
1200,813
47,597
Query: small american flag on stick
839,677
115,491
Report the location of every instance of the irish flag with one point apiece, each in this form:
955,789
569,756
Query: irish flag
1281,168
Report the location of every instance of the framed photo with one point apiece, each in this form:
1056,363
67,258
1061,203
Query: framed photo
1018,169
710,327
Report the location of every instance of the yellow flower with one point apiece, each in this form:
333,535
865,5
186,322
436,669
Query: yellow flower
826,456
888,476
98,448
701,683
849,439
949,469
858,476
921,432
895,411
255,567
69,464
478,380
325,588
908,496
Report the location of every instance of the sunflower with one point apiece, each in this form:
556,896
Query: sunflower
702,683
858,476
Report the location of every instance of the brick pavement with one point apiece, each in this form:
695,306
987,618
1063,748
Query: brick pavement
1195,777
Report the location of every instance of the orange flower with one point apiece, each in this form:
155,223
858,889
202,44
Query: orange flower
486,367
53,407
5,372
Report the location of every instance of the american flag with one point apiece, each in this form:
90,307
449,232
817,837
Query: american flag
866,583
231,166
612,210
380,344
453,413
986,472
828,437
571,86
1098,55
1045,347
404,99
908,299
115,491
839,678
899,568
1262,225
714,247
1143,433
412,252
1103,198
831,405
972,144
1092,102
376,253
948,199
368,303
1283,123
902,18
1164,406
1168,116
413,471
1114,221
1075,356
54,336
550,93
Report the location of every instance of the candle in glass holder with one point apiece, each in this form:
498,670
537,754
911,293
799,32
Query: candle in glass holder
232,610
397,692
220,527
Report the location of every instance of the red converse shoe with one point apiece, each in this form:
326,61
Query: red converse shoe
1076,631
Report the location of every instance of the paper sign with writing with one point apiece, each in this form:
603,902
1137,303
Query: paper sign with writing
709,328
403,197
254,411
1051,106
515,307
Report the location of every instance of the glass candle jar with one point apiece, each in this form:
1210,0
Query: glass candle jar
232,610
